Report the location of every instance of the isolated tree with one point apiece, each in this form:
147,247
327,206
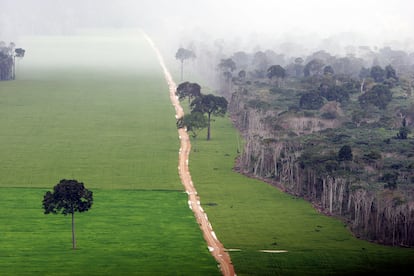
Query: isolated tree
182,55
276,72
68,197
188,90
210,105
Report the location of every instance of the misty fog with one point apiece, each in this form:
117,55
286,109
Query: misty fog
281,25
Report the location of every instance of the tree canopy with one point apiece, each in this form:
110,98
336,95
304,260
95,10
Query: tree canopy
311,100
380,96
210,105
345,153
182,55
188,90
276,71
195,121
377,73
68,197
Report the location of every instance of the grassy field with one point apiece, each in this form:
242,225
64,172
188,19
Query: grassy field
251,215
106,120
106,129
127,232
81,113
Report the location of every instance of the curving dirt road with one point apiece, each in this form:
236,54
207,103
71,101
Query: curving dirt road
214,245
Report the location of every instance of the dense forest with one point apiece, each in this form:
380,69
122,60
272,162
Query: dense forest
335,130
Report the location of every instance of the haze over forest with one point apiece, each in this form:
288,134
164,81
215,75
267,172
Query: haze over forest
314,97
308,25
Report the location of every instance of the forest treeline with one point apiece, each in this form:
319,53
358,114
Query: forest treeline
8,54
335,130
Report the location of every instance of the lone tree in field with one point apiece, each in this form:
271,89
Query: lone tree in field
183,54
210,104
68,197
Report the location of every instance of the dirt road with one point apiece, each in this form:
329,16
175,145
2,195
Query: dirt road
214,245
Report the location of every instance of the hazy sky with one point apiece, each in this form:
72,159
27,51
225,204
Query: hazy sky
373,20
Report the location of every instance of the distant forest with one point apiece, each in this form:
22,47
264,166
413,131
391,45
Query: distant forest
8,54
335,130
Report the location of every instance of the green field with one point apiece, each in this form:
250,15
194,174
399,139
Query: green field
78,111
106,120
127,232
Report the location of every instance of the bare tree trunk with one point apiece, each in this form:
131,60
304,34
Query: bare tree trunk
362,85
73,231
208,127
14,67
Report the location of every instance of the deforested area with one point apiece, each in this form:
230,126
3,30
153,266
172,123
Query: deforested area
333,129
206,137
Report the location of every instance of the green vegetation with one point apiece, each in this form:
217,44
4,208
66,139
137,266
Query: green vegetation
250,215
110,129
68,197
114,130
105,129
127,232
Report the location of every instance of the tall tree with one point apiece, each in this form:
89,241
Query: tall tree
182,55
68,197
210,105
227,66
298,66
